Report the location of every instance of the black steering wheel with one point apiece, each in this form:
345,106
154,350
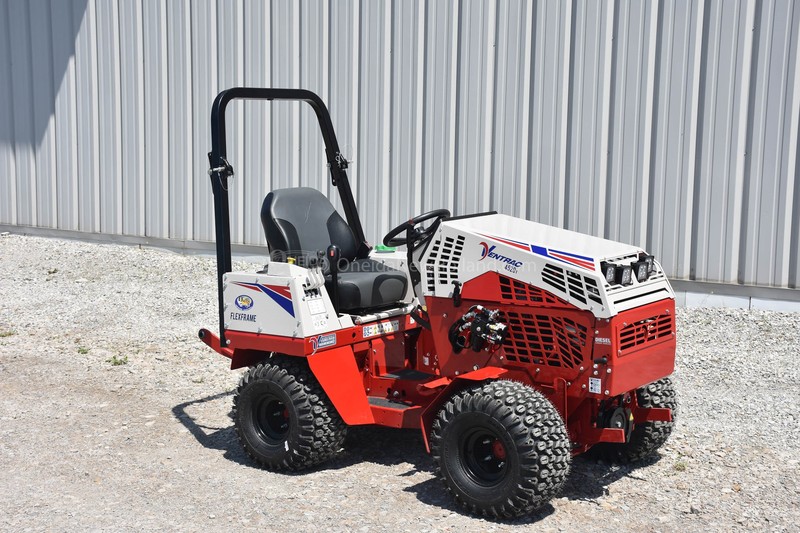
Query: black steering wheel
414,235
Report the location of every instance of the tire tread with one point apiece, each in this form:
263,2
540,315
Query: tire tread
538,433
320,429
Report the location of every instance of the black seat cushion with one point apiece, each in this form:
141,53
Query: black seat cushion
300,222
368,284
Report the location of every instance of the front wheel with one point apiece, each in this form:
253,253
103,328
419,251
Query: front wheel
501,449
646,437
283,418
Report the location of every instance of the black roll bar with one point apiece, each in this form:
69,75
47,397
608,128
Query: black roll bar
220,170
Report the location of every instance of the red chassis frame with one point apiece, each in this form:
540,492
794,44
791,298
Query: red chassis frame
400,379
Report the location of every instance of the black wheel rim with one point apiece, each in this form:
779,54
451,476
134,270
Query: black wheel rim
271,419
484,456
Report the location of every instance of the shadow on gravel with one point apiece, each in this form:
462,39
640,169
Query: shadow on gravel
212,438
588,479
387,446
432,492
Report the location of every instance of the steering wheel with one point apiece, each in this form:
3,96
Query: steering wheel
414,235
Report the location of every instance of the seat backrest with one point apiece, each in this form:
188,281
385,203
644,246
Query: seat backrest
302,220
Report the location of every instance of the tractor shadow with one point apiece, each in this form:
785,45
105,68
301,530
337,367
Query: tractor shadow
405,448
385,446
212,438
588,479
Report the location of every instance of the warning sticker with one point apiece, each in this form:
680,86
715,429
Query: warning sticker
316,306
594,385
380,328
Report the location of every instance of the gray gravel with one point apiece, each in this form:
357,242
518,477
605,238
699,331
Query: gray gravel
114,416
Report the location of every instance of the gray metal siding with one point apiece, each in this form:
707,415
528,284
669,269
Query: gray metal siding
671,125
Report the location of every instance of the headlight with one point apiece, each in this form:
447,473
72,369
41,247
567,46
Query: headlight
624,275
641,269
609,272
650,260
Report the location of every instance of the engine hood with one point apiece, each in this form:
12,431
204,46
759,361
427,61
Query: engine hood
564,263
542,239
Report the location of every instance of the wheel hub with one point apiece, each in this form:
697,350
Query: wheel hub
499,450
484,456
621,418
272,419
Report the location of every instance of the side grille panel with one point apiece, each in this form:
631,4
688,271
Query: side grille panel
442,265
513,291
645,332
580,288
542,339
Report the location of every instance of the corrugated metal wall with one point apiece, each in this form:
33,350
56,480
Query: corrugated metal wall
668,124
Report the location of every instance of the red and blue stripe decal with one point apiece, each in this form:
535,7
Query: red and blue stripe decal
580,261
281,295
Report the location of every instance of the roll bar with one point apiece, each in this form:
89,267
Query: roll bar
220,170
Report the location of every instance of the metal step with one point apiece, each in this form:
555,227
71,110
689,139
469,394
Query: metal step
386,403
408,374
394,414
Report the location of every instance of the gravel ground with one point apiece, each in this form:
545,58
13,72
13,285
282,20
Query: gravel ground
114,416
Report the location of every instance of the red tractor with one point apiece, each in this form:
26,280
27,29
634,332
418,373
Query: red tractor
511,345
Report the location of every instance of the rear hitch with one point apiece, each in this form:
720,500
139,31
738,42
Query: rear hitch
213,342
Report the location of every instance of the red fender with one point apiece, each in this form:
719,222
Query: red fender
451,386
338,374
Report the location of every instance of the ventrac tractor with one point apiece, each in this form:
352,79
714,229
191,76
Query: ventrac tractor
511,345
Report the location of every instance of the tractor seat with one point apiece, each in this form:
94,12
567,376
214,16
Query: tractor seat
301,221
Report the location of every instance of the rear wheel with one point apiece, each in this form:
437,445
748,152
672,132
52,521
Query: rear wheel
501,449
646,437
283,418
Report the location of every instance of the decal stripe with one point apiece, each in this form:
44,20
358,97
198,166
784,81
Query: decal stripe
580,261
576,256
283,291
572,261
279,298
516,244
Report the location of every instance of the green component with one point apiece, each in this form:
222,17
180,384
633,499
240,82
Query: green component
381,249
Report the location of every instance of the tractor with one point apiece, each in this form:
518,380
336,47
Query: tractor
512,345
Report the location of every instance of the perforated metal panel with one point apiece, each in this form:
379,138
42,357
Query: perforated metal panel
544,339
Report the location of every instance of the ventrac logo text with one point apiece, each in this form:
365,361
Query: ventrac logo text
491,254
